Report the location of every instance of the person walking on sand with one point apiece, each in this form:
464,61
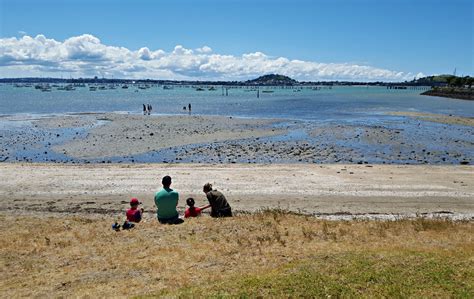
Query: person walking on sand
149,109
219,205
166,201
144,109
189,108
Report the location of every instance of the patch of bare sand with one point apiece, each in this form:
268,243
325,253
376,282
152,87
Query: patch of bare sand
66,121
439,118
126,135
357,189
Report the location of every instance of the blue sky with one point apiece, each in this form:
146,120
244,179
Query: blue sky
403,38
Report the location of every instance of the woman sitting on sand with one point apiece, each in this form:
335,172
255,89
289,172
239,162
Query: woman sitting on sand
219,205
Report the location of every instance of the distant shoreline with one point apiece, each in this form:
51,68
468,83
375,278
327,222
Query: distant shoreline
230,84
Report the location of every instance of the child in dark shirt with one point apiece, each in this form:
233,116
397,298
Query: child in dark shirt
192,211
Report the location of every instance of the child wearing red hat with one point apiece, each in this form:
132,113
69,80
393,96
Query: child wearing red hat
134,214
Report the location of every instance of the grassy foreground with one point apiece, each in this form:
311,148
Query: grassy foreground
271,253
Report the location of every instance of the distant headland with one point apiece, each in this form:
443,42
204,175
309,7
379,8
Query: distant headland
450,86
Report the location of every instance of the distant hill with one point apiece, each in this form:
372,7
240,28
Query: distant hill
443,80
272,79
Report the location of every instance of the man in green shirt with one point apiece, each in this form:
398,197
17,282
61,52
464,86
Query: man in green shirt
166,201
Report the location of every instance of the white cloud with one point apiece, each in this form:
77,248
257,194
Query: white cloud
204,49
145,54
86,55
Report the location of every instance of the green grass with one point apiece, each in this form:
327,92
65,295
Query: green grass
363,274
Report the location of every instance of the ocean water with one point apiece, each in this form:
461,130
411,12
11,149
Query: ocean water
339,104
357,109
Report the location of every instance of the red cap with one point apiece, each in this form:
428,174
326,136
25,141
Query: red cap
134,201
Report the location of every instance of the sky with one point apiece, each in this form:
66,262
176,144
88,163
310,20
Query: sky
355,40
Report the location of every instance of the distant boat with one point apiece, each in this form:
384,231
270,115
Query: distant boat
267,91
199,89
92,88
212,88
124,86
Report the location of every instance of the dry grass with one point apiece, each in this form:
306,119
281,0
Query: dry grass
269,253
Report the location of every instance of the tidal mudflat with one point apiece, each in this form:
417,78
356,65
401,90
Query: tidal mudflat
405,138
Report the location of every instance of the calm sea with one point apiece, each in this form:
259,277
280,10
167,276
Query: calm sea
322,105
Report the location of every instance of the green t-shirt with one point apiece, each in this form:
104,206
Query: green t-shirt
166,201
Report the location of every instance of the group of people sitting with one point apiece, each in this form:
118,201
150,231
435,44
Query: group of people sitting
166,201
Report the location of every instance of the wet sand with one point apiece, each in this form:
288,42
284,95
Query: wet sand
125,135
439,118
405,138
98,190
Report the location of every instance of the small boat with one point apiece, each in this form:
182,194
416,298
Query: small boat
212,88
267,91
199,89
125,86
92,88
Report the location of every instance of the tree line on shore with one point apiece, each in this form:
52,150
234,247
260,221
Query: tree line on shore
265,80
447,80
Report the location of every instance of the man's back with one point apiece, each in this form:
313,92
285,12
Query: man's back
166,201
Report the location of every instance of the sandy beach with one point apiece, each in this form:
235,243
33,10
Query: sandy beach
96,162
97,190
125,135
